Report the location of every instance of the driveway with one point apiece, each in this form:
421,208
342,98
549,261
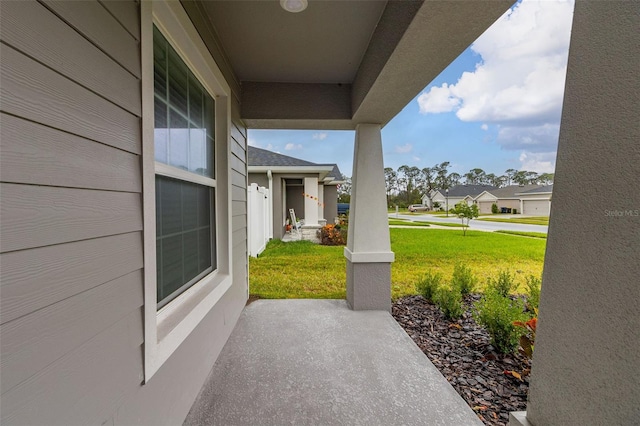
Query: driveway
477,225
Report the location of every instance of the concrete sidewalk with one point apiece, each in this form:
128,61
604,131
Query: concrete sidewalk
316,362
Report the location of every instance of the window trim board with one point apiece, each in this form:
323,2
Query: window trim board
176,173
166,329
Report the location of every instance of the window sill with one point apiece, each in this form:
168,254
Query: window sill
177,320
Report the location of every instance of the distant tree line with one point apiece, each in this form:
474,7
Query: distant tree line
409,184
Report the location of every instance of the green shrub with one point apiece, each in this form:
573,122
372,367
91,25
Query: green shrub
497,313
449,301
463,279
533,292
429,284
494,208
503,285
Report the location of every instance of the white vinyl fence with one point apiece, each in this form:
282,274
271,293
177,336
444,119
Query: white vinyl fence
258,218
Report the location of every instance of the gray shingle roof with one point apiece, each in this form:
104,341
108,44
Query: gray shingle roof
263,157
512,190
464,190
335,173
539,190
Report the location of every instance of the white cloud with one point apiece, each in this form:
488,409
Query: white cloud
438,99
252,142
404,149
319,136
416,159
541,162
270,147
484,127
292,147
519,83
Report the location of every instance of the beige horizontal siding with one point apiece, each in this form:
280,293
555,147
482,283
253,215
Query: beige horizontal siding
36,278
238,150
238,193
239,236
35,92
34,341
98,25
126,13
238,179
55,158
239,222
85,386
31,27
237,164
34,216
238,208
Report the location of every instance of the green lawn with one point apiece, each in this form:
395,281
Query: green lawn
450,225
534,220
402,222
306,270
525,234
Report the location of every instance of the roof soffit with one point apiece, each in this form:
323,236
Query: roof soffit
340,63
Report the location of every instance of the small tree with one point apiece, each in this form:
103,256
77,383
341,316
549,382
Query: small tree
494,208
465,212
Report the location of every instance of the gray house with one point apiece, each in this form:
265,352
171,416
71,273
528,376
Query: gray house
456,194
505,197
124,181
308,188
536,201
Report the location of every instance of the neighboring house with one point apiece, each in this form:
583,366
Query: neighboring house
536,201
427,199
505,197
458,193
124,264
308,188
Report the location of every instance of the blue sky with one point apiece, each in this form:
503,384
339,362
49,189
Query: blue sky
496,107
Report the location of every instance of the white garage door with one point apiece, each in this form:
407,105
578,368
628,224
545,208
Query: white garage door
485,206
536,207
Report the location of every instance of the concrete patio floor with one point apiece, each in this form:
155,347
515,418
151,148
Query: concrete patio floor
316,362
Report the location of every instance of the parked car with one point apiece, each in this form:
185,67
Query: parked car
417,208
343,208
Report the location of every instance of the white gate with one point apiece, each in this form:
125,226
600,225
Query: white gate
258,218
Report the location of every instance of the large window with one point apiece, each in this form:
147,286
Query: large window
184,127
186,104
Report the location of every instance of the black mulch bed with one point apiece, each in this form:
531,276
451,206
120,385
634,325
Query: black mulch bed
462,352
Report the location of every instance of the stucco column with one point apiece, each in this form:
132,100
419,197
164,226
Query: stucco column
585,368
368,250
310,201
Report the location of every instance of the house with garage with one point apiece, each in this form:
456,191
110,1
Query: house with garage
310,189
505,198
456,194
536,201
123,201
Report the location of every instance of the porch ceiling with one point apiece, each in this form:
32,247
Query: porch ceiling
338,63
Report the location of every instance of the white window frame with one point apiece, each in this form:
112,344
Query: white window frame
167,328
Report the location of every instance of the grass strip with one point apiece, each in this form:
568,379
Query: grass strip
525,234
401,222
538,220
448,224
